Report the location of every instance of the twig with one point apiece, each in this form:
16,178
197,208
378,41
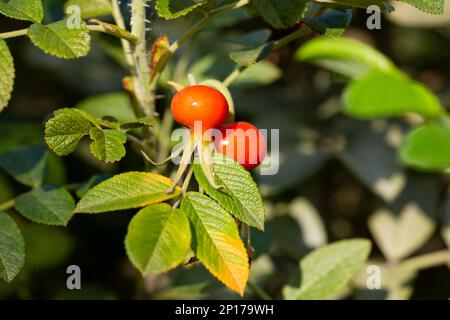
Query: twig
188,34
276,45
118,18
426,261
13,34
7,205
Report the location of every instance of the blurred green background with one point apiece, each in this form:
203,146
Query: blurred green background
336,176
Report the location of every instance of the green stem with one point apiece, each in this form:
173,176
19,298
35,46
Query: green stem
13,34
189,34
276,45
290,37
118,18
7,205
112,30
142,68
233,76
426,261
260,293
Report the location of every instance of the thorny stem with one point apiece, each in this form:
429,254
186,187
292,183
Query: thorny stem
118,18
121,33
188,34
141,70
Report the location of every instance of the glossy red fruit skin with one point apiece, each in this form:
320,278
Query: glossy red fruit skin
199,103
242,142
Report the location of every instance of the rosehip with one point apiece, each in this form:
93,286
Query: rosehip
200,103
242,142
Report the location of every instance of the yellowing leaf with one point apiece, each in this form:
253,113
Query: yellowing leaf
126,191
158,238
217,242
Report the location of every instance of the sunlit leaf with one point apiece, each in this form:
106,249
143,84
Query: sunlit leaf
108,144
126,191
65,130
59,40
158,238
217,242
345,56
172,9
240,196
29,10
427,147
381,94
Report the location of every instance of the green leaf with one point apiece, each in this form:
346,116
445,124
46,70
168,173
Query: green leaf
28,10
65,130
27,164
331,23
254,38
108,145
281,14
158,238
172,9
126,191
328,269
58,40
138,123
93,181
381,94
217,243
114,104
12,248
346,56
429,6
7,74
427,147
91,8
249,57
240,196
47,204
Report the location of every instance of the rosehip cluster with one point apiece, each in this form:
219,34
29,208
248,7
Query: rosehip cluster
240,141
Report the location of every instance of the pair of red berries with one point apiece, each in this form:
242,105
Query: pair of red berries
240,141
